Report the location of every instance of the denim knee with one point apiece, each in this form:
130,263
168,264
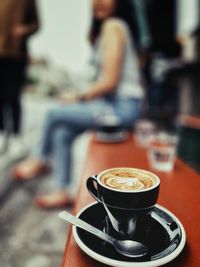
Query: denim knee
52,118
62,136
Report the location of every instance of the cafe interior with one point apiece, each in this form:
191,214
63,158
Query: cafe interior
99,148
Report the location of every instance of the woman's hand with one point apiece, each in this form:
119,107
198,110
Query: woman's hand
69,97
20,31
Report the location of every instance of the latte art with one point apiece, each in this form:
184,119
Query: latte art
128,183
132,181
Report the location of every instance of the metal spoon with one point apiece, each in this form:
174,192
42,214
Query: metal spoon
127,248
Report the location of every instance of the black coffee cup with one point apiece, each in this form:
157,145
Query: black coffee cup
123,206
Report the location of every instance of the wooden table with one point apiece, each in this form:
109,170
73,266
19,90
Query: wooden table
179,192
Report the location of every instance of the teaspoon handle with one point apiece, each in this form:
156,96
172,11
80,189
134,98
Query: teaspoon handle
85,226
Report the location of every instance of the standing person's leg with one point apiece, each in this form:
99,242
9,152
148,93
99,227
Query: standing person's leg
2,106
1,109
1,95
14,79
16,109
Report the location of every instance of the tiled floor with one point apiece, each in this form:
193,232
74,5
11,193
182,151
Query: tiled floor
31,237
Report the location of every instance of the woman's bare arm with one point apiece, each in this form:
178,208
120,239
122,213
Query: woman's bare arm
113,42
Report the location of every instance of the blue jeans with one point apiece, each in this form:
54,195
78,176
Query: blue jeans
65,122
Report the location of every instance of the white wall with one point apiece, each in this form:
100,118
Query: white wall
188,15
62,37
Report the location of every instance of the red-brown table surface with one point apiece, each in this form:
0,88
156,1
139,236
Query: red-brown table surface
179,192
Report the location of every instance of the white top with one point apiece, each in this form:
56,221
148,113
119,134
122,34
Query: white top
130,83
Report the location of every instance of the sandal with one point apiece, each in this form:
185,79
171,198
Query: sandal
54,201
29,169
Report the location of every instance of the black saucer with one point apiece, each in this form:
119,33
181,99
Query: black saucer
160,231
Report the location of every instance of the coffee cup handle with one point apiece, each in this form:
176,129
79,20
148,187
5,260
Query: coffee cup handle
91,188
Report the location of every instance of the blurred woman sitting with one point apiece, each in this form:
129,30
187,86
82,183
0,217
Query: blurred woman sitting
116,89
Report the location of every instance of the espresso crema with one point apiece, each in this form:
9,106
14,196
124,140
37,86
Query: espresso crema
132,180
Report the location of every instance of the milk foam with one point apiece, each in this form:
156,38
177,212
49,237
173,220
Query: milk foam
127,180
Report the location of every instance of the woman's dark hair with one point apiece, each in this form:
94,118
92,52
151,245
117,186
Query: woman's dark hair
125,11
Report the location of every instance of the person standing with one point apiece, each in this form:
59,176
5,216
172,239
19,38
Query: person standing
18,21
164,53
